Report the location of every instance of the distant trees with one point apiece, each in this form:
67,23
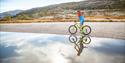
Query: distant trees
6,18
23,17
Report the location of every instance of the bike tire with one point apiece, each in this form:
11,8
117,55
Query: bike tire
75,29
86,39
73,38
86,27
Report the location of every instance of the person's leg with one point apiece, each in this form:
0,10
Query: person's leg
80,49
77,48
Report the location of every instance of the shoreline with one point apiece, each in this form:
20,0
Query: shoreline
57,22
66,35
4,22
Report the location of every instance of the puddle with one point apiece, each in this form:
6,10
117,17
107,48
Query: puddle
52,48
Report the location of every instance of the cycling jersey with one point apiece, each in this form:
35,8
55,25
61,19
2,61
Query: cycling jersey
81,18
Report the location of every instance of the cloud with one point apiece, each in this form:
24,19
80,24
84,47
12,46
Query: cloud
51,51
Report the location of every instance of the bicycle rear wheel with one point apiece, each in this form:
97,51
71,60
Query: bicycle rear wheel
86,30
73,39
72,29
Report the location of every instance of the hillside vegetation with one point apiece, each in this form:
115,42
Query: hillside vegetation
93,9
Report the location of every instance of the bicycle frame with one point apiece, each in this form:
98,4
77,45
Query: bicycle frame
78,26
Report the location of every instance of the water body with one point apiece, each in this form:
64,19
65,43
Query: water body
18,47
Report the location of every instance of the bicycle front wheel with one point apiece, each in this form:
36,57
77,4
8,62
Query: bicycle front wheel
72,29
86,30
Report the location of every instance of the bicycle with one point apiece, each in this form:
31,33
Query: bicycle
86,30
84,39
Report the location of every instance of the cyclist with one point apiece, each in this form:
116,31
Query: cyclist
81,18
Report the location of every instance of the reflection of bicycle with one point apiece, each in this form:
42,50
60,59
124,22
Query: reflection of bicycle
83,39
84,34
83,29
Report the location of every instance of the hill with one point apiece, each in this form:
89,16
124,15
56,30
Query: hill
118,5
100,8
10,13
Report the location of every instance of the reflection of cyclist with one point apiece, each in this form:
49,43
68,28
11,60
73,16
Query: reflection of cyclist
81,18
80,49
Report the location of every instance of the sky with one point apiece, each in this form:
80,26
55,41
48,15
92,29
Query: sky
18,47
8,5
